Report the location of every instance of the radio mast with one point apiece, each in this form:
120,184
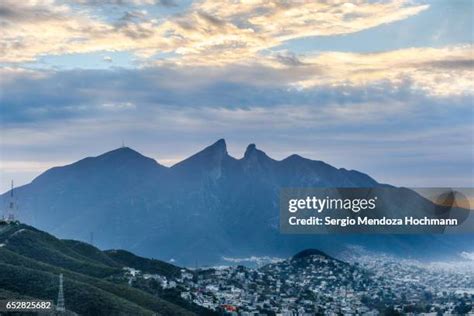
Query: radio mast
60,307
11,209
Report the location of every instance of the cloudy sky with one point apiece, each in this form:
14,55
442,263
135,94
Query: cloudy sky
384,87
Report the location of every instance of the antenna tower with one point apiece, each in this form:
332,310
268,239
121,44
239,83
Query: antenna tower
11,208
60,307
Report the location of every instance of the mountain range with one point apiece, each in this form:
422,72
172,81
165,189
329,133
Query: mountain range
202,209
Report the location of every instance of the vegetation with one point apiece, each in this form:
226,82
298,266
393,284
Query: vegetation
31,260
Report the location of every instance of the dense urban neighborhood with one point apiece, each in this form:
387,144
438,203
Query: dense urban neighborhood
84,280
313,283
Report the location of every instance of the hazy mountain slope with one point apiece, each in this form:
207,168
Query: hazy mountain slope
208,206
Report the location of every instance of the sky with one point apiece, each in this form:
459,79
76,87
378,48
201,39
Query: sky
383,87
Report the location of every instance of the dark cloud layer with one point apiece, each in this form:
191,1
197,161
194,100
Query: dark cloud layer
82,93
398,135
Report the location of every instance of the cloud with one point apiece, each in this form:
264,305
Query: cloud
445,71
423,143
209,32
29,166
246,101
398,134
437,71
285,20
166,3
31,29
222,32
119,106
468,255
222,72
356,85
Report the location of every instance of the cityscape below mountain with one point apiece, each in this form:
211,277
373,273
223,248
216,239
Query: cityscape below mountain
310,282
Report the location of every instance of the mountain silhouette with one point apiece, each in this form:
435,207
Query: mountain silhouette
205,207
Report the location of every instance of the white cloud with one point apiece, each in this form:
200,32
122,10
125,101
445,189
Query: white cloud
224,32
435,71
118,106
210,32
28,165
467,255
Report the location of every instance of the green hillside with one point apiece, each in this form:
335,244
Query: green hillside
94,283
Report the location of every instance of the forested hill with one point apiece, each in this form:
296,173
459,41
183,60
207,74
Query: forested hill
95,282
